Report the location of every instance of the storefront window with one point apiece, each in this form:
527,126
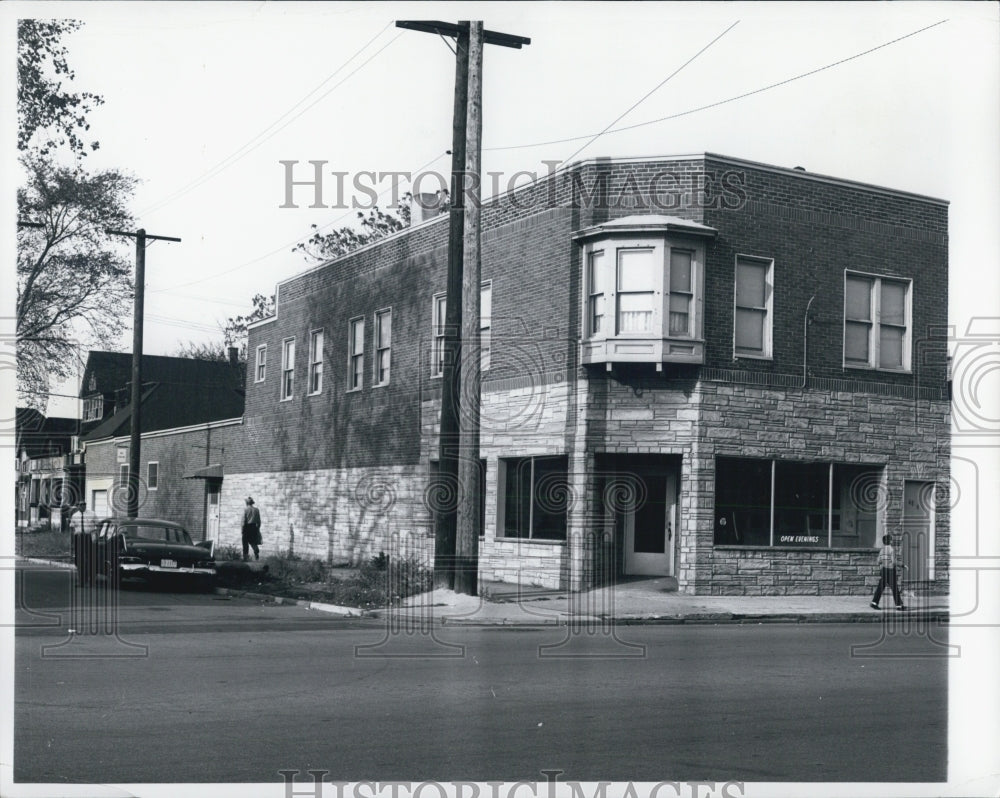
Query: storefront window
786,503
535,498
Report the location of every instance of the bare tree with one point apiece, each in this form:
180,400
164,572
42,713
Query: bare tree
73,280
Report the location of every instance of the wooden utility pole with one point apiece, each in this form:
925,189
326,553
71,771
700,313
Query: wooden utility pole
468,525
136,390
457,454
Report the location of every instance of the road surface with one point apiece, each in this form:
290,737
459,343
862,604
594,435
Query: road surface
192,687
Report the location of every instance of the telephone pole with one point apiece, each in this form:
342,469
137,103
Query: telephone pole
456,529
141,237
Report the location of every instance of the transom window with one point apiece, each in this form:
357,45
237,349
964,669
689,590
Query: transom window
752,314
877,322
287,368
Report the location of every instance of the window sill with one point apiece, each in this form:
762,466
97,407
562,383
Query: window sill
287,398
380,385
533,541
642,349
824,549
745,356
315,393
852,367
359,389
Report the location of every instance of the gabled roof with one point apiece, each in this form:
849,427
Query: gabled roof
111,371
39,436
164,406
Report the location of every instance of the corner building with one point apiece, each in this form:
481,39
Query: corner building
697,366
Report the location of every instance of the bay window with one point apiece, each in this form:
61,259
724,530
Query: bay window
643,291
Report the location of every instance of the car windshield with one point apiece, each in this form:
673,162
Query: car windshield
155,533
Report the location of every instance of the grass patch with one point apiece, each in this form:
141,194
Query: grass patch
378,583
42,540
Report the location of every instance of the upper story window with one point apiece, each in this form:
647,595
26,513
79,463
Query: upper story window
287,368
356,366
437,347
440,308
643,291
152,475
752,312
877,322
383,345
316,361
485,324
93,408
260,370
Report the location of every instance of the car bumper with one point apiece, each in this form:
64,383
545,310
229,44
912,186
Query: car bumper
141,569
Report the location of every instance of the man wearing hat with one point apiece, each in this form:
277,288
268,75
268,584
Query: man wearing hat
251,530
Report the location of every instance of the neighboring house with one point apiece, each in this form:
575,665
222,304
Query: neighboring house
49,467
189,409
697,366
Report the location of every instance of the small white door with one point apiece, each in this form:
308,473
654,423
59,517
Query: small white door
99,503
650,527
212,512
918,531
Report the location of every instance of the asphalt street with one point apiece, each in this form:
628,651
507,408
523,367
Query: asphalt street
190,687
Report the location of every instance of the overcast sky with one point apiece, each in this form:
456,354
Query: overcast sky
203,101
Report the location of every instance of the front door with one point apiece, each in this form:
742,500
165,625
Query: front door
918,531
650,526
99,503
212,511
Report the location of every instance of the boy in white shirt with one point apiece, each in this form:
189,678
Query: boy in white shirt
887,563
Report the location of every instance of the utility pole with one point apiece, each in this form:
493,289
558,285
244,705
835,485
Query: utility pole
452,544
136,393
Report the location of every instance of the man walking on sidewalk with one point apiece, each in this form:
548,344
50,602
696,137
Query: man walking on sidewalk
888,574
251,530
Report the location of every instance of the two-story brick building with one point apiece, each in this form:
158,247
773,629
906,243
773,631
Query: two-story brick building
699,366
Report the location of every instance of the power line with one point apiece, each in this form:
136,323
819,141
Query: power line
264,135
720,102
650,92
285,247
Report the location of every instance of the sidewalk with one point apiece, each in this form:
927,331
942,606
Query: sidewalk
653,600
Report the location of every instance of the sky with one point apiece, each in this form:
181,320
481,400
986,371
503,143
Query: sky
204,101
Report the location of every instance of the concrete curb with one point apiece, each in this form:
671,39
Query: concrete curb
332,609
56,563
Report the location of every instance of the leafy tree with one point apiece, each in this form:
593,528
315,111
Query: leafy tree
234,333
376,224
72,281
48,115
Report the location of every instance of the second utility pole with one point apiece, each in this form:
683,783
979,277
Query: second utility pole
136,391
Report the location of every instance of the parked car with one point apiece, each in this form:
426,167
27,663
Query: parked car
123,548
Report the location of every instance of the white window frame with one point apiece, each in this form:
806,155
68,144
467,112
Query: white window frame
607,280
315,385
151,482
381,347
595,277
439,312
93,408
767,309
355,374
287,369
875,322
485,326
260,366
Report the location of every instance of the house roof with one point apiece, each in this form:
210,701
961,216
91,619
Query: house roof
39,436
163,406
649,222
107,372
